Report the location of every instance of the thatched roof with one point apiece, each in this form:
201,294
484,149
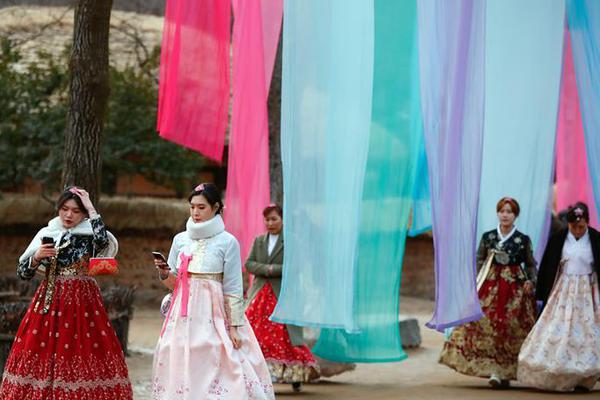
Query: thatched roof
119,213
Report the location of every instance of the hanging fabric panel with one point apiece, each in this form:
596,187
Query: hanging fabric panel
255,41
326,116
387,197
584,25
572,174
420,218
451,55
193,93
522,72
420,221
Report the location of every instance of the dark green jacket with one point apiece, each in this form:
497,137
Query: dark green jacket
267,269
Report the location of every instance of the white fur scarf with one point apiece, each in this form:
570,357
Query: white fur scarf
206,229
56,230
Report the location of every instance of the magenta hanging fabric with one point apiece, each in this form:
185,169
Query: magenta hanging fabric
573,181
255,37
451,48
193,94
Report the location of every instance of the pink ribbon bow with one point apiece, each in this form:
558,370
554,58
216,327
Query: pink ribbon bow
183,284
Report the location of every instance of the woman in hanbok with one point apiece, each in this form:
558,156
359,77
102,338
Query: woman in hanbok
65,348
489,348
289,359
562,352
207,349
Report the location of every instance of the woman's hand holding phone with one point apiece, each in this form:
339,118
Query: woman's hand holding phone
161,265
159,261
46,250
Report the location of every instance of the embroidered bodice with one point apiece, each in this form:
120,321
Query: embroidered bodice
217,251
514,250
74,252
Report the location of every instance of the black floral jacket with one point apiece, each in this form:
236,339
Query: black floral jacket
517,250
80,246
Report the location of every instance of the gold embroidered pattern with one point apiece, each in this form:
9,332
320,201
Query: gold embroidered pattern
211,276
234,310
289,372
198,255
78,268
65,385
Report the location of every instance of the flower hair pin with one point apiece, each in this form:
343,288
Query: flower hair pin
578,212
199,188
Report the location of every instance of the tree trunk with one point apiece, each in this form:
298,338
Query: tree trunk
88,90
274,107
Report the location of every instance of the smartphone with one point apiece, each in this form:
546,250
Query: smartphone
157,255
47,240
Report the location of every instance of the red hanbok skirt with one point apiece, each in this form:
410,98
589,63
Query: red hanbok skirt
287,363
491,345
69,353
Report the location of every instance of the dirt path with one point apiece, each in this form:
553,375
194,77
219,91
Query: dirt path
419,377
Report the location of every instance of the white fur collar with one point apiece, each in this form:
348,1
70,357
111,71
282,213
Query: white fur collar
56,230
206,229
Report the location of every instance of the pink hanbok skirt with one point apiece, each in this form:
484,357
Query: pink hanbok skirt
195,359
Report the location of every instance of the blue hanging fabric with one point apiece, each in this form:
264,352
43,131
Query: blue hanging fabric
388,193
451,54
325,125
524,44
584,26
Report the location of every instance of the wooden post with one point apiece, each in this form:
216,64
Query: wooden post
274,107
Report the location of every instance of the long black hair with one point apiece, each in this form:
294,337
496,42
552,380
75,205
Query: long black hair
210,192
577,212
68,195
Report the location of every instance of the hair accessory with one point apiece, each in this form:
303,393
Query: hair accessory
272,205
199,188
578,211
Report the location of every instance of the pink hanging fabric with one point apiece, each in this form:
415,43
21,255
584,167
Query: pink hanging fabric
572,173
193,94
255,38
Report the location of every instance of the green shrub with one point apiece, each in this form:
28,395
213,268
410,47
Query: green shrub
33,112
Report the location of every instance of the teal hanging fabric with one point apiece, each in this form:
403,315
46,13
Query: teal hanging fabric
387,196
524,45
420,221
420,218
325,119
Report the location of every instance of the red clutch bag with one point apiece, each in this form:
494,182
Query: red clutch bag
102,266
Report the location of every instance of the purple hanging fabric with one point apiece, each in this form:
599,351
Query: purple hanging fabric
451,43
